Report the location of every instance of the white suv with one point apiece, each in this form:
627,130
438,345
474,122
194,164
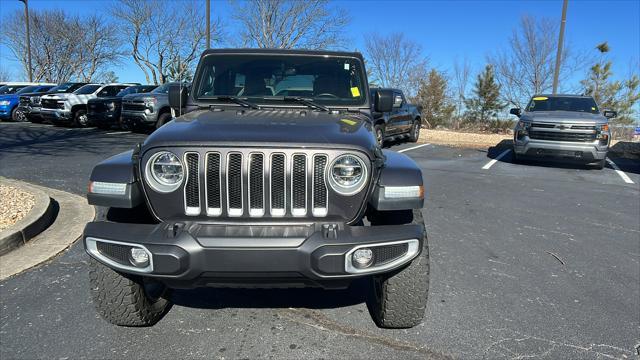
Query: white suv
72,108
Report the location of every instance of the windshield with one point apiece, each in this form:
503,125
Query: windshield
332,81
10,89
563,103
27,89
162,89
87,89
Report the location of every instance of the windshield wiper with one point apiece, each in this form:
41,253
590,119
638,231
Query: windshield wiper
233,99
304,101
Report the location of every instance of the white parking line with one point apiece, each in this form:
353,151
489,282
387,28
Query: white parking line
488,165
624,176
412,148
118,132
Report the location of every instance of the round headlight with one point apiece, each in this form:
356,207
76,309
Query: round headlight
164,172
347,174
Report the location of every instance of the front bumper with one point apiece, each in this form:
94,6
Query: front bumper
188,255
56,115
591,151
105,117
138,118
5,112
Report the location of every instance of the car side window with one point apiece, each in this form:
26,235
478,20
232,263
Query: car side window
398,100
109,91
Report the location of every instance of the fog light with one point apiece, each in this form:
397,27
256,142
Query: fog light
362,258
139,257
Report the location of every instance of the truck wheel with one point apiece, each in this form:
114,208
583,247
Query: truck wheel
18,115
379,129
126,300
600,164
414,135
80,118
163,119
399,298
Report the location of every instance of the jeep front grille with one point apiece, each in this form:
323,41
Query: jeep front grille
256,184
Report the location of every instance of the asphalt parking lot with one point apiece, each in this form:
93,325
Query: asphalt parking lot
534,260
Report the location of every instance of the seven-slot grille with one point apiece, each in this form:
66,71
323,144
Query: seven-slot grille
562,136
256,184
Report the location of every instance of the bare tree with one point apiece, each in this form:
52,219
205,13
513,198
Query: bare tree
5,74
396,62
287,24
461,72
67,46
162,33
526,67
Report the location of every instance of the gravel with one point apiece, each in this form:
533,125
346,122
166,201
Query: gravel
462,139
15,204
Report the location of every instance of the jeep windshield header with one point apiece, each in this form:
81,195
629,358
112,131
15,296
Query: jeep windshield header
563,103
273,79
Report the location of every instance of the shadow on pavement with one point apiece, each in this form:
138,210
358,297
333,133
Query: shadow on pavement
310,298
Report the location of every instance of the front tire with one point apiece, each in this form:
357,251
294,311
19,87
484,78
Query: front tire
414,134
80,118
399,298
163,119
599,165
18,115
126,300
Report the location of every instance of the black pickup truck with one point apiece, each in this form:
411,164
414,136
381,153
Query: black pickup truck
104,112
272,178
402,122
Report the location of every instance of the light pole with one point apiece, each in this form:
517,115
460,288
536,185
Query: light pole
208,24
26,17
556,72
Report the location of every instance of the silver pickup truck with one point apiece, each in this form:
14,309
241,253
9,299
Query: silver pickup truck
563,126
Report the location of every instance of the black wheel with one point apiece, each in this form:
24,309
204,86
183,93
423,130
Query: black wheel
515,158
379,129
163,119
399,298
17,115
80,118
124,299
600,164
414,133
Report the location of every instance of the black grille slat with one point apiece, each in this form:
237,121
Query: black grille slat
319,187
562,136
542,125
256,181
192,189
278,182
213,181
299,182
386,254
133,106
234,181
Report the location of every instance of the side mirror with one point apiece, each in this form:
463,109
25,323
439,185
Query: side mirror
178,96
383,101
515,111
609,114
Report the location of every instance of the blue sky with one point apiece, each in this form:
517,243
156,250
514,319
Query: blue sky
447,30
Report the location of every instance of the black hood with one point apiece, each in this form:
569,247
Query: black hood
281,128
566,117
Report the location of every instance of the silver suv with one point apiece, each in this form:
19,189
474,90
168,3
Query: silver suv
563,126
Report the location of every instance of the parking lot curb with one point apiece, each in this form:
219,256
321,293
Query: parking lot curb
37,220
73,212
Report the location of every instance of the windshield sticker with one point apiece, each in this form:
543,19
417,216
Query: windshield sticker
347,66
593,108
355,92
540,98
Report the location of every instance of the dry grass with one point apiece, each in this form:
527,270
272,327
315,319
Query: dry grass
461,139
15,204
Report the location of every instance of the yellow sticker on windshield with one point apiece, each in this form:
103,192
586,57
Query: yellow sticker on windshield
355,92
349,122
593,108
540,98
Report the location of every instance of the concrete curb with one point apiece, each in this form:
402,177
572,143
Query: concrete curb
36,221
73,214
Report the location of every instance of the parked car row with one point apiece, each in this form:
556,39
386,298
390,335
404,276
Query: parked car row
123,105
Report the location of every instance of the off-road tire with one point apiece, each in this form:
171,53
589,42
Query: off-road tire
163,119
414,133
121,299
78,120
399,298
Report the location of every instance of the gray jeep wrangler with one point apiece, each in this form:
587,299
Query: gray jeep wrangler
272,177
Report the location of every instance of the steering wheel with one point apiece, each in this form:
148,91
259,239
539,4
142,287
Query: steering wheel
327,95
